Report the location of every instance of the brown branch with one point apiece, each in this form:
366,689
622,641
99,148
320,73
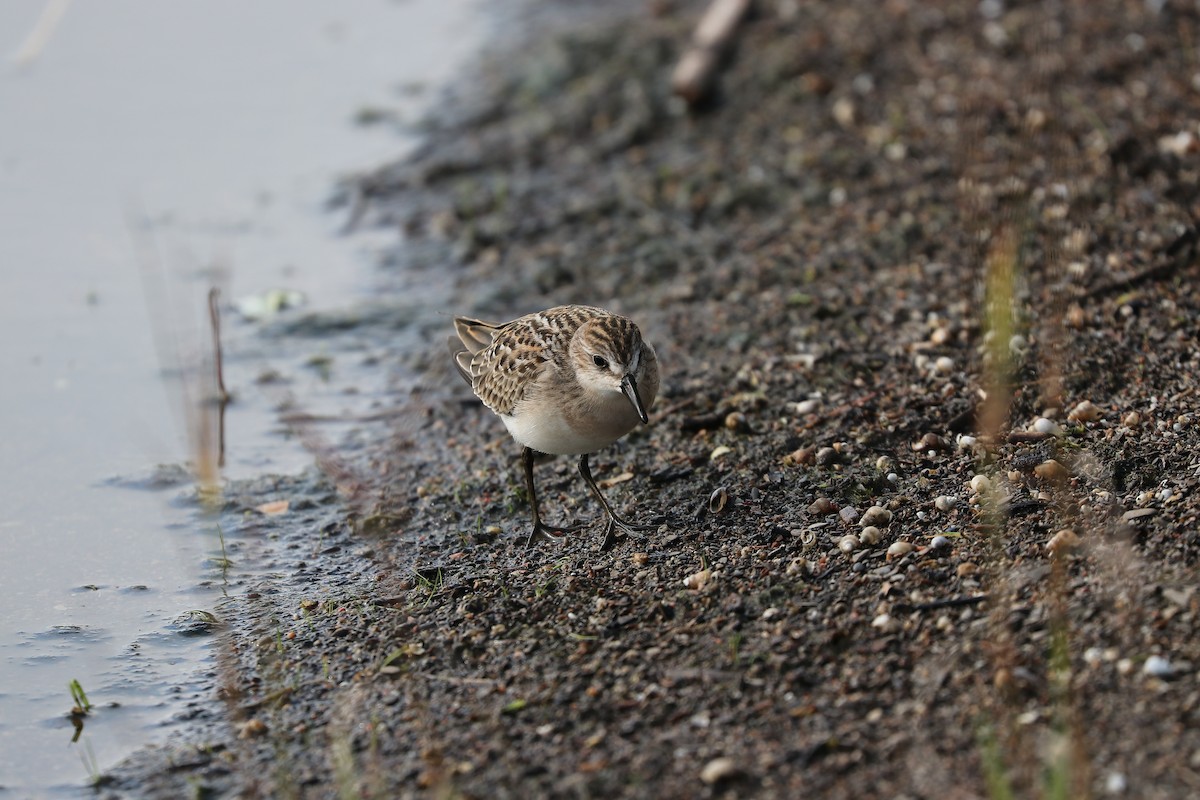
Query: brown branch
694,73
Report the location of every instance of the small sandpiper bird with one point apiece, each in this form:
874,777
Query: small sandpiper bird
566,381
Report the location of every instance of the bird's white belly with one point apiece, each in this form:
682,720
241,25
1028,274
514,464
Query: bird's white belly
550,432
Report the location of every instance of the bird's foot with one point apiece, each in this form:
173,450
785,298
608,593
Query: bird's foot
549,533
627,528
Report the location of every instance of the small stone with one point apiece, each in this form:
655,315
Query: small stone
899,550
718,770
938,542
1115,783
1048,426
848,514
883,462
944,364
1125,666
1063,542
827,456
877,516
805,407
698,580
1137,513
822,506
1132,419
252,728
869,536
930,441
981,484
966,569
1158,667
1051,470
639,558
945,503
848,543
719,451
803,455
736,421
1076,316
1085,411
885,623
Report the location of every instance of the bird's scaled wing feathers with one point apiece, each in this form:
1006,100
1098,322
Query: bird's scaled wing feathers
475,334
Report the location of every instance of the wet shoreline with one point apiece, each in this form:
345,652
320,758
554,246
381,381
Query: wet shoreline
883,601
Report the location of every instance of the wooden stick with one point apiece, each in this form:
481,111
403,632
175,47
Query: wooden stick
694,73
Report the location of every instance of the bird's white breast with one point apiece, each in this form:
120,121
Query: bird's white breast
583,425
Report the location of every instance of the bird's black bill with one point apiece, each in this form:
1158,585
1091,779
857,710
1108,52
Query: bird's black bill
629,387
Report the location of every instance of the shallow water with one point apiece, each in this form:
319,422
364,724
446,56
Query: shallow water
142,144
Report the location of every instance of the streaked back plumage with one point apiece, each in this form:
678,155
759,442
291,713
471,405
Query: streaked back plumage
500,361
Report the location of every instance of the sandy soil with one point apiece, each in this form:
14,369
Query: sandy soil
903,245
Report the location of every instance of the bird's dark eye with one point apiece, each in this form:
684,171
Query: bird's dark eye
600,361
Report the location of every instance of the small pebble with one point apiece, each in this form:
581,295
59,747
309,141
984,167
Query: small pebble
1063,542
252,728
805,407
803,455
736,421
848,543
938,542
1115,783
883,462
869,536
822,506
718,770
827,456
885,623
945,502
719,451
944,364
1051,470
930,441
697,580
1125,666
981,484
966,569
899,550
1043,425
877,516
1158,667
1086,411
848,514
1132,419
893,477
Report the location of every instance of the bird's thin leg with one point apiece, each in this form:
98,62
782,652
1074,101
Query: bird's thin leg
540,531
614,521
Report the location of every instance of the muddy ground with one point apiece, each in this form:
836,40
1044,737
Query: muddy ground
902,245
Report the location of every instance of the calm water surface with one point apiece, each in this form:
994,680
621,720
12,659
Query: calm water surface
203,132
